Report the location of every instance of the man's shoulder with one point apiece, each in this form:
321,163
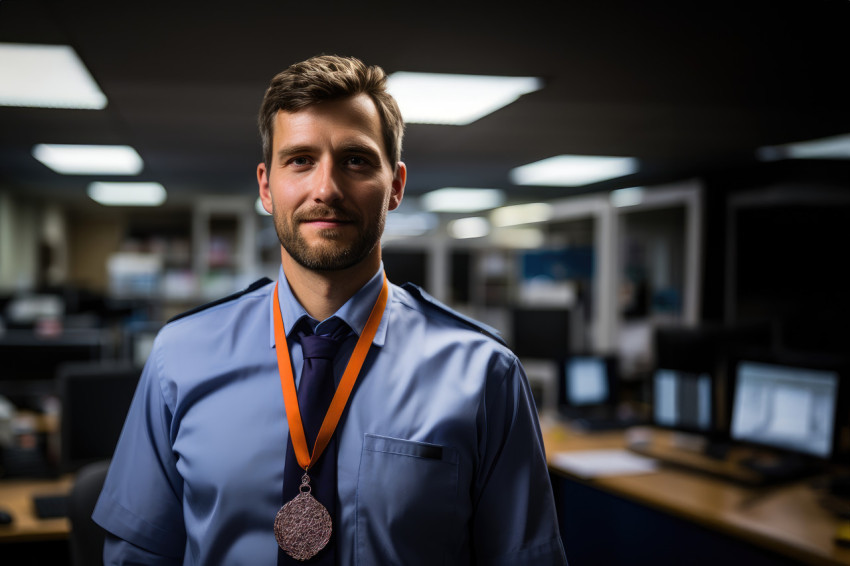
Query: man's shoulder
255,290
417,298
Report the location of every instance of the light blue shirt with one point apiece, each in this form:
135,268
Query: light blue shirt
440,460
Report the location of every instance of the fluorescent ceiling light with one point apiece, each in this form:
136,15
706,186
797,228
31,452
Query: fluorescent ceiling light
49,76
453,199
401,224
89,159
521,214
519,238
573,170
835,147
629,196
127,194
434,98
464,228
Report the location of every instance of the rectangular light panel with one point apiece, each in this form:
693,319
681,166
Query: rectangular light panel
127,194
48,76
436,98
834,147
517,214
453,199
573,170
71,159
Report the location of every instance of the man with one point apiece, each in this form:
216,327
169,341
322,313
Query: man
430,452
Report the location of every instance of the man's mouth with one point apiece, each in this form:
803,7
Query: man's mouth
325,219
325,222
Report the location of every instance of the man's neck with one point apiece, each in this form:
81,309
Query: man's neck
322,293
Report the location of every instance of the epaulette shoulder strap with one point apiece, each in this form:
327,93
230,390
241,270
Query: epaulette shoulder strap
423,297
249,289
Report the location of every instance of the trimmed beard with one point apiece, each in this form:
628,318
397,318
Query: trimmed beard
330,254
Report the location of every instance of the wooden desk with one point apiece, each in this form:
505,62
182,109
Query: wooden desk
787,520
16,498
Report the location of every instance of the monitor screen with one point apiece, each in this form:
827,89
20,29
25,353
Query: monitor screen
785,406
586,381
540,332
29,357
683,400
95,400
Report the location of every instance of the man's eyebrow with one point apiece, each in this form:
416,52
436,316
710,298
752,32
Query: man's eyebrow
354,147
291,150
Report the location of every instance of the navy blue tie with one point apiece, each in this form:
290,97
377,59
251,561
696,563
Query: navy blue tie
315,392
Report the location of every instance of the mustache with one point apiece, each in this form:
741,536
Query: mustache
324,212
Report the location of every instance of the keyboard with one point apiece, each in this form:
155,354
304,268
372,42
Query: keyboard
51,506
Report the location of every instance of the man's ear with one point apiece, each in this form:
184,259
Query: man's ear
265,191
399,180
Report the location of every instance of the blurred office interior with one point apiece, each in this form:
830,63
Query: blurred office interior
732,211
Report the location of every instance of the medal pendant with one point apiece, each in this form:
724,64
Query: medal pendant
303,526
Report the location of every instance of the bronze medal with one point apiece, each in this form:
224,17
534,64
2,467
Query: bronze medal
303,526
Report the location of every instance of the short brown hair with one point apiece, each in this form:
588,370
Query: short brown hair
330,77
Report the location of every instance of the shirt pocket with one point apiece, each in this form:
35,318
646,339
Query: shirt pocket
406,502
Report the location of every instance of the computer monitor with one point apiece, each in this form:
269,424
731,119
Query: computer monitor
587,380
29,357
683,400
95,399
689,380
540,333
787,403
707,346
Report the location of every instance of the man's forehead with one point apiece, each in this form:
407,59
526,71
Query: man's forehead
355,119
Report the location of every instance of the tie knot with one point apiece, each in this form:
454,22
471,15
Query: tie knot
324,346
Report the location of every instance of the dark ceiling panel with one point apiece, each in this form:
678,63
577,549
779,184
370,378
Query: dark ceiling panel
687,88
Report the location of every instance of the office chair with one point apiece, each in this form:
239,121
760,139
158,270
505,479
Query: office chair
86,538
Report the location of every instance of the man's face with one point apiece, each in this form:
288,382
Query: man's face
329,184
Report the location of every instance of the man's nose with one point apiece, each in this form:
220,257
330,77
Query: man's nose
327,186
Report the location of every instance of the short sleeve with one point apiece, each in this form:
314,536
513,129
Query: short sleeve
515,520
141,501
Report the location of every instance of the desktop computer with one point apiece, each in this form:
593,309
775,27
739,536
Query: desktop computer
788,408
589,393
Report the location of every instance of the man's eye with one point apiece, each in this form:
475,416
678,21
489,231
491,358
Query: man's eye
357,161
299,161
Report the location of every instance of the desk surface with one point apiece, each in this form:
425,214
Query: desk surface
787,519
16,498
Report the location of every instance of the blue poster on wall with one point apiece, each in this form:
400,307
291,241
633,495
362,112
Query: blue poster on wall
557,265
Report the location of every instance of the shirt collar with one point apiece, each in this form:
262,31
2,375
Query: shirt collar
355,312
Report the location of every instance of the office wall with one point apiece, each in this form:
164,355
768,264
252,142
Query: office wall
91,241
20,229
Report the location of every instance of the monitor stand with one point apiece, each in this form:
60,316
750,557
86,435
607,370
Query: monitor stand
601,418
779,468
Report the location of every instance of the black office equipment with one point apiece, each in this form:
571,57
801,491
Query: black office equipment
683,400
589,392
540,333
30,357
690,396
791,406
689,380
50,506
95,399
587,381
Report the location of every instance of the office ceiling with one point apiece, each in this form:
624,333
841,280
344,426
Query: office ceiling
688,88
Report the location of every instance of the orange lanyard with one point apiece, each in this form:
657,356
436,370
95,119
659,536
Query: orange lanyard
343,391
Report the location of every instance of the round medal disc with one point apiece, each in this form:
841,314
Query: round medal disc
302,527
